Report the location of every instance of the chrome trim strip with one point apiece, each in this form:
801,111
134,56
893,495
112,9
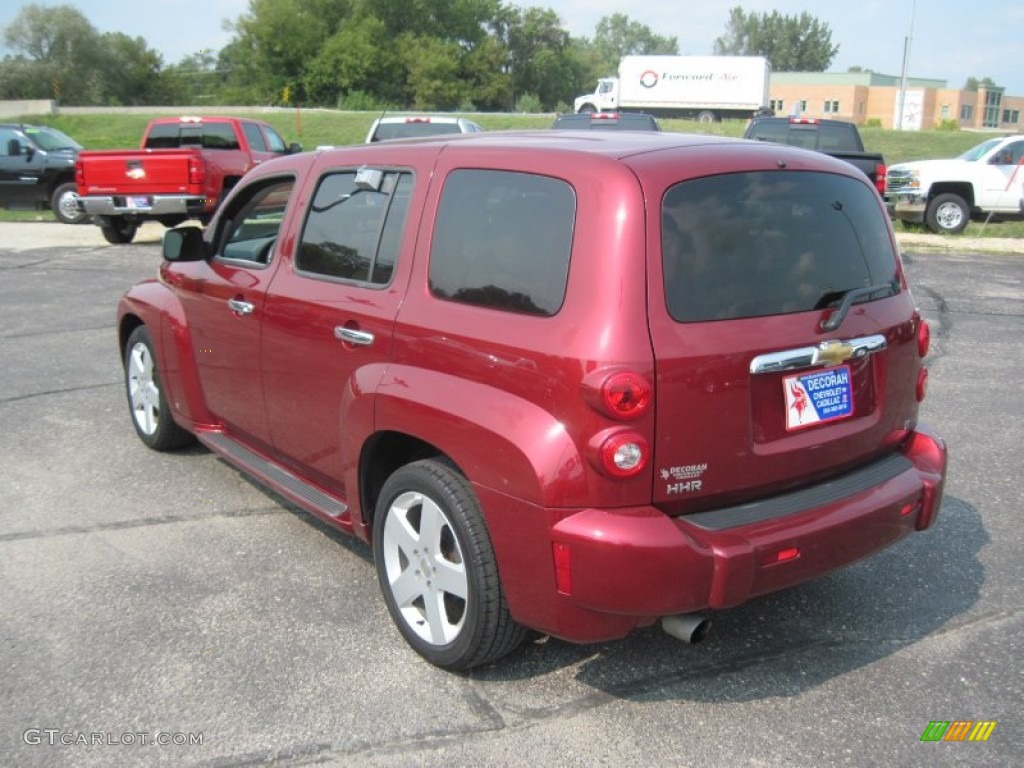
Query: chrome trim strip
827,353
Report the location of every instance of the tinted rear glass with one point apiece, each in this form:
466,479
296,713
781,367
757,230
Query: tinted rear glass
622,122
387,131
208,135
503,240
771,242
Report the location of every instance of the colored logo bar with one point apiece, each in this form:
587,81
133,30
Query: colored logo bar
959,730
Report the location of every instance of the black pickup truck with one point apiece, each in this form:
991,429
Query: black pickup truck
832,137
37,170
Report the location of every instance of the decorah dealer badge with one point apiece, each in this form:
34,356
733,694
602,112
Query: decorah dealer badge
814,398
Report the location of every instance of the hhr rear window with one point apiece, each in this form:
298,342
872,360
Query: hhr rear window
502,240
771,242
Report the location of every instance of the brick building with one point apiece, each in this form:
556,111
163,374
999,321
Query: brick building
863,96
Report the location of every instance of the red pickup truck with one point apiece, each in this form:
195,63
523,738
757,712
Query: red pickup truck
184,169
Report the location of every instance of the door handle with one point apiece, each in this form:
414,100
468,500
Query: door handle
241,307
353,336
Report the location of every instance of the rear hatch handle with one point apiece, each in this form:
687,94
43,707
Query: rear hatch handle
825,353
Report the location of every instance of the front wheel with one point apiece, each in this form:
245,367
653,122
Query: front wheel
118,231
64,204
706,116
947,214
146,399
437,569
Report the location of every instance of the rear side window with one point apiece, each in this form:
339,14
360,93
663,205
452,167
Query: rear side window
254,136
770,243
354,232
502,240
162,136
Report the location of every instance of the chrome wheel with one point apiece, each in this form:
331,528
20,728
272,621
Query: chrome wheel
148,404
437,570
143,392
64,204
426,572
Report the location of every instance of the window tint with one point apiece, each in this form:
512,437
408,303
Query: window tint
353,232
412,129
162,136
836,136
219,136
254,136
274,141
208,135
771,242
254,221
503,240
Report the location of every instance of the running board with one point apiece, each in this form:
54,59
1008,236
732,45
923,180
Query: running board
274,476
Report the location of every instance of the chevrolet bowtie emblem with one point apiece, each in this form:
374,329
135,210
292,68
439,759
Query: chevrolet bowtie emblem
833,352
135,173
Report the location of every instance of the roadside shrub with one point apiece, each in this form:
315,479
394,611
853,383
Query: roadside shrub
873,122
360,101
529,102
948,125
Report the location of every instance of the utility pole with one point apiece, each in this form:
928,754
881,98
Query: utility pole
906,61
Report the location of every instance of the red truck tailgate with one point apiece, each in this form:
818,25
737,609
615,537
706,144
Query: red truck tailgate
136,172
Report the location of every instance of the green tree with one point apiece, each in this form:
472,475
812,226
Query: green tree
616,36
791,43
131,72
275,40
61,49
541,57
973,83
358,57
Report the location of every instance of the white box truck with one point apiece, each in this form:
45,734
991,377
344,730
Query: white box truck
708,88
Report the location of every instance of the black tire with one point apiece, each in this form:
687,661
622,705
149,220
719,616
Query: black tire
587,109
706,116
430,542
147,402
63,203
118,231
947,214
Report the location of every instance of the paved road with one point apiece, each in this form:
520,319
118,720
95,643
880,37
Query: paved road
144,593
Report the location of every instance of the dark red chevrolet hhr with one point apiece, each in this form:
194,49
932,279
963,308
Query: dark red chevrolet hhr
571,382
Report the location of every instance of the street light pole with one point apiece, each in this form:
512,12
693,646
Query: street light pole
906,61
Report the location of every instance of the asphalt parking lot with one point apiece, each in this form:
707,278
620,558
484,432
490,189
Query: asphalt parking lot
160,609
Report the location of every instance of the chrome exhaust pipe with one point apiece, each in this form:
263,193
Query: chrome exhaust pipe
688,627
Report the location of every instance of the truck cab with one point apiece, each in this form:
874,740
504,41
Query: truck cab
604,98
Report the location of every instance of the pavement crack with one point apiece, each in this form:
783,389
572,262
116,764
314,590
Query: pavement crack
64,391
120,525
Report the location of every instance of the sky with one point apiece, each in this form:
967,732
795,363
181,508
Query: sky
950,40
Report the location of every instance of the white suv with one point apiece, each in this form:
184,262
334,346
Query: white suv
412,126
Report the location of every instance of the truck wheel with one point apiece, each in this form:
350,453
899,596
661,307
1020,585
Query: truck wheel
146,399
119,231
64,204
706,116
587,109
437,569
947,214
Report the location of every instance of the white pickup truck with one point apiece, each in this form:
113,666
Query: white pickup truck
986,183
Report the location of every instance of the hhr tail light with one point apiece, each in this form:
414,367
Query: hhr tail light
620,453
924,338
621,394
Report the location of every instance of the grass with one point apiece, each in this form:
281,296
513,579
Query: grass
314,128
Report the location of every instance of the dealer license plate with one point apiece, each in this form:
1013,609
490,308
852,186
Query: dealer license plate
814,398
137,202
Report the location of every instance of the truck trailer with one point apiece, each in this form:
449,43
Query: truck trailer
707,88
